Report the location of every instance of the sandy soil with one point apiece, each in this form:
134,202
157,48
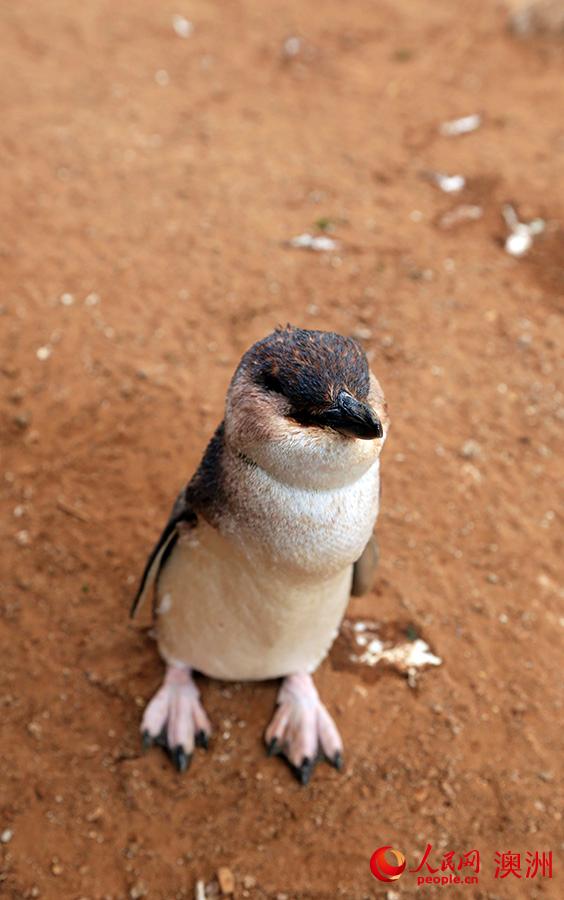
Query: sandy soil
149,186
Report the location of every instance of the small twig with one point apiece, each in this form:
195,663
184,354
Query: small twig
72,512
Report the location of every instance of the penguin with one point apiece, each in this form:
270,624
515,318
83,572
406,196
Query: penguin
253,571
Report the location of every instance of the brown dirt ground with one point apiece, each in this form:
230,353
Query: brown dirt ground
172,203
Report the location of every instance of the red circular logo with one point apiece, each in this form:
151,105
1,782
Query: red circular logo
384,870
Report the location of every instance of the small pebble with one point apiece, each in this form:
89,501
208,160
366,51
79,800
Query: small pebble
464,125
292,46
162,77
182,27
470,449
95,815
361,333
318,242
466,212
538,17
17,395
450,184
138,890
22,420
43,353
518,243
6,836
226,880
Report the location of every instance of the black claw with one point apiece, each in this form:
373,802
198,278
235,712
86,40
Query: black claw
202,739
147,740
273,748
180,759
160,740
303,772
337,760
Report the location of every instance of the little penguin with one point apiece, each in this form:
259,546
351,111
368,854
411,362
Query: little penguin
254,569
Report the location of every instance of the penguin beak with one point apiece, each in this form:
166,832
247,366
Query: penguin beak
353,418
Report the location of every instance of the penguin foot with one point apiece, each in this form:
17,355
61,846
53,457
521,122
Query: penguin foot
175,719
302,731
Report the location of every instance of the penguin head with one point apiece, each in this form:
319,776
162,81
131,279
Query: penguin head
309,394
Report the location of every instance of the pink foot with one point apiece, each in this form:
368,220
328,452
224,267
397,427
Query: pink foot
175,719
302,729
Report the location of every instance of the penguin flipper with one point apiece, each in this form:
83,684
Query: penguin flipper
202,492
181,513
364,568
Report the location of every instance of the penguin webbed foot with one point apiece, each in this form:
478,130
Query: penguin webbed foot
302,731
175,719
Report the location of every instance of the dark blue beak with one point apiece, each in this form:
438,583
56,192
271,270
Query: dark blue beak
353,418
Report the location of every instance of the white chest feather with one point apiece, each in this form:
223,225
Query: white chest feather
263,594
310,534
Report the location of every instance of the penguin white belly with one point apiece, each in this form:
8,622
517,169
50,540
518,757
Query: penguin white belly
263,595
237,619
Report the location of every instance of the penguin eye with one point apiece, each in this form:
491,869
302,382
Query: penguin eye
272,383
